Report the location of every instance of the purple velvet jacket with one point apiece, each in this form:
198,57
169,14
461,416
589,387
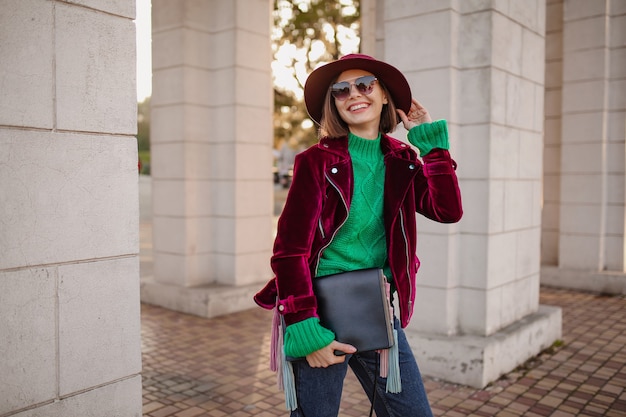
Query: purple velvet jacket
317,206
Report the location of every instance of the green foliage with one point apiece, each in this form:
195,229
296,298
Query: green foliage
303,22
144,157
306,33
143,125
143,135
289,122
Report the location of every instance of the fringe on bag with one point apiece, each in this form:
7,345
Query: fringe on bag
390,358
282,367
383,362
291,402
394,383
275,341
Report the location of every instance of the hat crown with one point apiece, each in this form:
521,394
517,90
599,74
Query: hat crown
356,56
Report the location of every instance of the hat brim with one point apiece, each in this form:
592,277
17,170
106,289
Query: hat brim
318,82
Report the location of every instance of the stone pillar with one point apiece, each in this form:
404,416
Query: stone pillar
587,249
69,266
480,67
372,27
552,134
211,139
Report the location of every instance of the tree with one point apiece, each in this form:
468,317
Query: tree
143,134
306,33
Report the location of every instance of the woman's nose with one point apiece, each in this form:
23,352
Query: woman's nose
354,90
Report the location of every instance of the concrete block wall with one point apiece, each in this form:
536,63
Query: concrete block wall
69,268
480,65
500,111
484,78
593,105
550,213
211,142
585,173
615,252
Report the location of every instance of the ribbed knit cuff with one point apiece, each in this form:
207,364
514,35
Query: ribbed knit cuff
429,136
306,337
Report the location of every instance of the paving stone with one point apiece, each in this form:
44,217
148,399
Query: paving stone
198,367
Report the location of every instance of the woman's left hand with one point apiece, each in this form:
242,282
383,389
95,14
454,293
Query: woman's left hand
417,115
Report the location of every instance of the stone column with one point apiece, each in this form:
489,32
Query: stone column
211,154
372,27
69,266
479,66
588,245
552,134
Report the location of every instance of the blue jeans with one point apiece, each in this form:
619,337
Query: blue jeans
319,389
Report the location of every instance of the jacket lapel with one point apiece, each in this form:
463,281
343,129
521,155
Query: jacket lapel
400,170
338,171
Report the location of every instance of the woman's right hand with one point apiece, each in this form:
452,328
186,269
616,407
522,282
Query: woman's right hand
325,356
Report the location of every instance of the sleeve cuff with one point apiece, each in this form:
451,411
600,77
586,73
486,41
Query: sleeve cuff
429,136
305,337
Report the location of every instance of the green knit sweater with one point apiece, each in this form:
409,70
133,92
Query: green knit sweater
360,243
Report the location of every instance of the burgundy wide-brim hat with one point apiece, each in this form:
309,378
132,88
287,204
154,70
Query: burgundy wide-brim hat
318,82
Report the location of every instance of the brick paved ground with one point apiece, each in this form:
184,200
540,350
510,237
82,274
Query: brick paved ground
196,367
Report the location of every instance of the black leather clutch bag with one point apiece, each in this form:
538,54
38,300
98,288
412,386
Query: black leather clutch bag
354,306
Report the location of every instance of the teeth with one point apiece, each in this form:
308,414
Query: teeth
358,106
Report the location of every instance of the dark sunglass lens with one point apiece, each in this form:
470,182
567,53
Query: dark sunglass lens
340,90
365,84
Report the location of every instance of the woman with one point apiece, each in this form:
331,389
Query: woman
351,206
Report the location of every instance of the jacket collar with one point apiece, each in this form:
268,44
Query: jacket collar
394,147
335,145
389,146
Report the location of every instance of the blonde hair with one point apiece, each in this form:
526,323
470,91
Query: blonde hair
332,125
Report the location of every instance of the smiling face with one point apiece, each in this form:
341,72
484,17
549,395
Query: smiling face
361,111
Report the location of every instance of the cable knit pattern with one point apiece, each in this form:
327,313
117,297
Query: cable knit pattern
429,136
360,243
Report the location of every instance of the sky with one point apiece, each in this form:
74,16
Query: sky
144,50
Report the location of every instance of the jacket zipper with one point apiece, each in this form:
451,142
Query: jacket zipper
406,253
345,205
319,226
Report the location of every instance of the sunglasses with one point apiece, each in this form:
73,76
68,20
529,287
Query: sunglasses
364,85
